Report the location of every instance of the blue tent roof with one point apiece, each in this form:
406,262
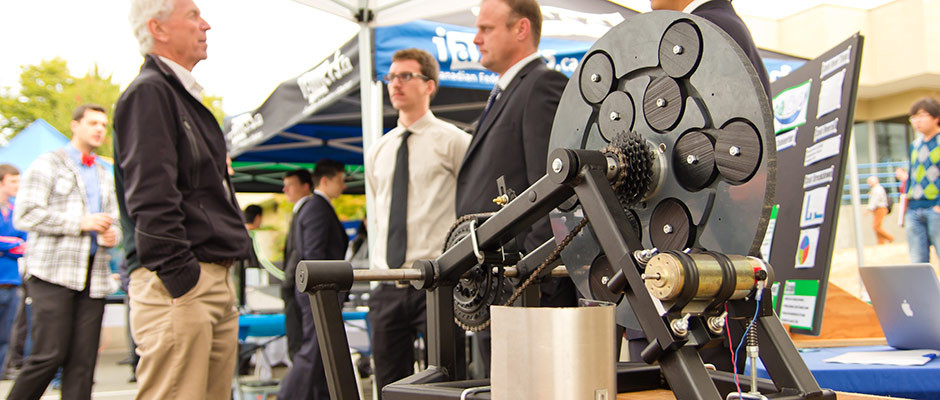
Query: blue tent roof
39,137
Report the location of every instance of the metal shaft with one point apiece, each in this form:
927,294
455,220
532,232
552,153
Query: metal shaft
512,272
397,274
408,274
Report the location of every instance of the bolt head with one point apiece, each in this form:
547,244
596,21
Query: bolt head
680,326
677,49
605,279
661,102
734,151
667,229
716,324
557,164
691,159
595,78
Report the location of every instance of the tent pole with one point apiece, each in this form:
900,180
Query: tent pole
369,96
856,206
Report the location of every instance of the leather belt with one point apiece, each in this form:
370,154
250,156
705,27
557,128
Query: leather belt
398,284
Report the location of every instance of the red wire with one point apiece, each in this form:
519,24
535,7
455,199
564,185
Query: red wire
734,363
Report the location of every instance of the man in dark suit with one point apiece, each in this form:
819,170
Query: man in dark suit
511,138
316,234
721,13
298,187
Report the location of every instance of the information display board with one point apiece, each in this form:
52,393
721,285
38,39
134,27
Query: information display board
813,111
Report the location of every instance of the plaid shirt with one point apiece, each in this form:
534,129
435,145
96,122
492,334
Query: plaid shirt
50,206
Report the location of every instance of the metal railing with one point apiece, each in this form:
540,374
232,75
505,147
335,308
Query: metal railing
885,174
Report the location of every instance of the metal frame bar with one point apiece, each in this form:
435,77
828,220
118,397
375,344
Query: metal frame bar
334,347
680,363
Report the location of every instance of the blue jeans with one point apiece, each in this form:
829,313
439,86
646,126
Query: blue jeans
923,230
9,300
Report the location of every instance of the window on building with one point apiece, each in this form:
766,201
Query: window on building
892,138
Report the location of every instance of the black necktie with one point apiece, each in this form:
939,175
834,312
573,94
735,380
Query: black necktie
489,103
398,211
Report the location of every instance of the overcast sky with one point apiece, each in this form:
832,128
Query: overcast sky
253,44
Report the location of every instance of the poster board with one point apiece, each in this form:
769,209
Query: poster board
814,109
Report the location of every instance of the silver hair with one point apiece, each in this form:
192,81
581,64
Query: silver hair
142,11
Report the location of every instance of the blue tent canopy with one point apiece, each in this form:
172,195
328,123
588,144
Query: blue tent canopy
37,138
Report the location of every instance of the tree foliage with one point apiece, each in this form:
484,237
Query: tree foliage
214,104
49,91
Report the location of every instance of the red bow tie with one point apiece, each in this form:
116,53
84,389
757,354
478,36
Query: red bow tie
88,160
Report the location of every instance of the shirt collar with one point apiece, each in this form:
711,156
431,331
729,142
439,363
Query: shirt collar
300,203
693,5
323,195
510,73
418,126
76,155
185,76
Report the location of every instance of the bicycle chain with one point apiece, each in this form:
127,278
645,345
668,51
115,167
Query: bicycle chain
532,277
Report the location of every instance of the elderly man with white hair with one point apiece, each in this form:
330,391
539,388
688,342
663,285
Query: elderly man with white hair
170,158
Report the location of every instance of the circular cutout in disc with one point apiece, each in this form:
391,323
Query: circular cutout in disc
693,161
616,115
662,103
597,77
601,272
738,152
680,49
671,226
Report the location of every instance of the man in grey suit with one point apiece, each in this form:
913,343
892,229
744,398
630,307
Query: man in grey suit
316,234
298,187
511,138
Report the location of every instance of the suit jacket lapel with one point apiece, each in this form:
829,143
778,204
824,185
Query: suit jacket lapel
498,106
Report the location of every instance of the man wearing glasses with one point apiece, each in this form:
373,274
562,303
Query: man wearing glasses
922,219
412,172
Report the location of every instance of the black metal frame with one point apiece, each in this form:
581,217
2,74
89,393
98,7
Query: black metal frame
582,172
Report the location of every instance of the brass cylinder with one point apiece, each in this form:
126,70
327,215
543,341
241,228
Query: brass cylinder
665,275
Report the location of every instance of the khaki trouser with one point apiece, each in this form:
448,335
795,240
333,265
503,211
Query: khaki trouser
880,233
188,347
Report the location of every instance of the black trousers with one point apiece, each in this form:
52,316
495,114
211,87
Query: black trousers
16,353
66,327
396,317
292,325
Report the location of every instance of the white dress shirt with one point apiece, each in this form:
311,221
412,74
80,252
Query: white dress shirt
510,73
435,151
186,78
693,5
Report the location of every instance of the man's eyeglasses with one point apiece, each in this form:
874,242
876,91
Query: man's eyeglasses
919,115
404,76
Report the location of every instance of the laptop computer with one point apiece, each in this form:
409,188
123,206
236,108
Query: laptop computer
905,298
